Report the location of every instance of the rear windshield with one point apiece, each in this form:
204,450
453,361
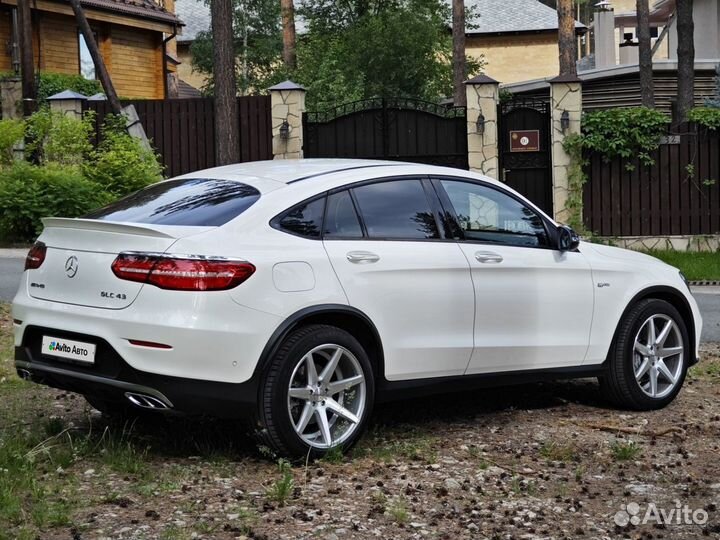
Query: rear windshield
193,201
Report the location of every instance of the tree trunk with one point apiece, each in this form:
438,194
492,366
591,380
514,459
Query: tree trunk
287,9
100,68
27,68
567,42
227,126
647,90
458,62
686,59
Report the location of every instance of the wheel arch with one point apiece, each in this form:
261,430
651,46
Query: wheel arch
341,316
673,297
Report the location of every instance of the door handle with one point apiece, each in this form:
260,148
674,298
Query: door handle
362,257
488,257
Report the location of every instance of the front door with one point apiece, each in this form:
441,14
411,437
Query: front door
395,267
534,304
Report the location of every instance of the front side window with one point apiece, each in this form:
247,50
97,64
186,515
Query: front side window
87,66
192,201
489,215
396,209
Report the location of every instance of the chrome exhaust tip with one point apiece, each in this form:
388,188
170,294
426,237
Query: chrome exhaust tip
146,402
24,374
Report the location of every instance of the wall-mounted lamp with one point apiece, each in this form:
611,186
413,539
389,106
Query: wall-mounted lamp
284,130
565,121
480,124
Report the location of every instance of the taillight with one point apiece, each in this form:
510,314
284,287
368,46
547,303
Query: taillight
182,273
36,256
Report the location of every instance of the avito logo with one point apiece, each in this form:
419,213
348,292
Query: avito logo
60,347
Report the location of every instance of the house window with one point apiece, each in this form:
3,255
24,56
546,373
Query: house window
87,66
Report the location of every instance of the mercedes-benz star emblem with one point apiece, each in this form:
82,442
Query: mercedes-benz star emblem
71,266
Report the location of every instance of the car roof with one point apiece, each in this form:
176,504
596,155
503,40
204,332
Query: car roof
289,171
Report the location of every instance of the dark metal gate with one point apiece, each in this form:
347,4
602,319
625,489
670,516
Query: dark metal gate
525,160
385,128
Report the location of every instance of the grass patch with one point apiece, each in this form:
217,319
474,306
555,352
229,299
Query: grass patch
625,450
282,488
558,452
696,266
397,510
414,447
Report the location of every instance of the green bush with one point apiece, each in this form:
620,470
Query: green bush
11,132
629,132
29,193
121,164
708,117
59,138
54,83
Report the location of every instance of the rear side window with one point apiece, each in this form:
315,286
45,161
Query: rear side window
396,209
192,201
341,219
305,219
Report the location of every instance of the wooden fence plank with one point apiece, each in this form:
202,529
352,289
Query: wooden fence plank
659,199
182,131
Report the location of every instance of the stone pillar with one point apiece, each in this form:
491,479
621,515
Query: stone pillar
287,101
565,96
68,102
11,97
482,98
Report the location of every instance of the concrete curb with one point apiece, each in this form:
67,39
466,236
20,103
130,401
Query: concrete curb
705,283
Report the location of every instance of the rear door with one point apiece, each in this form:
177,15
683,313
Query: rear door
386,244
534,303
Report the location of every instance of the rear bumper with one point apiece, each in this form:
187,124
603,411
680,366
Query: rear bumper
209,337
113,379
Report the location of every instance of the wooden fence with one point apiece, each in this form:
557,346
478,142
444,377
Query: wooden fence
183,130
678,195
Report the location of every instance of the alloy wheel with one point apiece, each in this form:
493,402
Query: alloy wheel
658,356
326,396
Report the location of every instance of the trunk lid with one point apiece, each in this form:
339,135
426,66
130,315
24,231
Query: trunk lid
77,267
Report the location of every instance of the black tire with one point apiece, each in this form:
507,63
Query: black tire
275,425
619,385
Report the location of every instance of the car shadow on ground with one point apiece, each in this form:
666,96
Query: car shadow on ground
210,438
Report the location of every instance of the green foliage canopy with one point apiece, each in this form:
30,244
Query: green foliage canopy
348,50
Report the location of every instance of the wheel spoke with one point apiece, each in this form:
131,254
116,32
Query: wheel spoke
653,382
662,368
305,417
669,351
339,386
322,420
303,393
312,376
664,333
332,365
341,411
642,370
642,349
651,332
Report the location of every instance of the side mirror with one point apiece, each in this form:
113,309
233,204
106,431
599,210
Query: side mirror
567,239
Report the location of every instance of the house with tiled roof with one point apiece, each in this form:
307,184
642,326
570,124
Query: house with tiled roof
196,16
517,39
132,36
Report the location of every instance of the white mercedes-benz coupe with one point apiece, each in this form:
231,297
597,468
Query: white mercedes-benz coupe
300,293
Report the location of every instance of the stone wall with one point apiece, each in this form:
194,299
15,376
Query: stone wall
677,243
287,104
482,98
565,96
